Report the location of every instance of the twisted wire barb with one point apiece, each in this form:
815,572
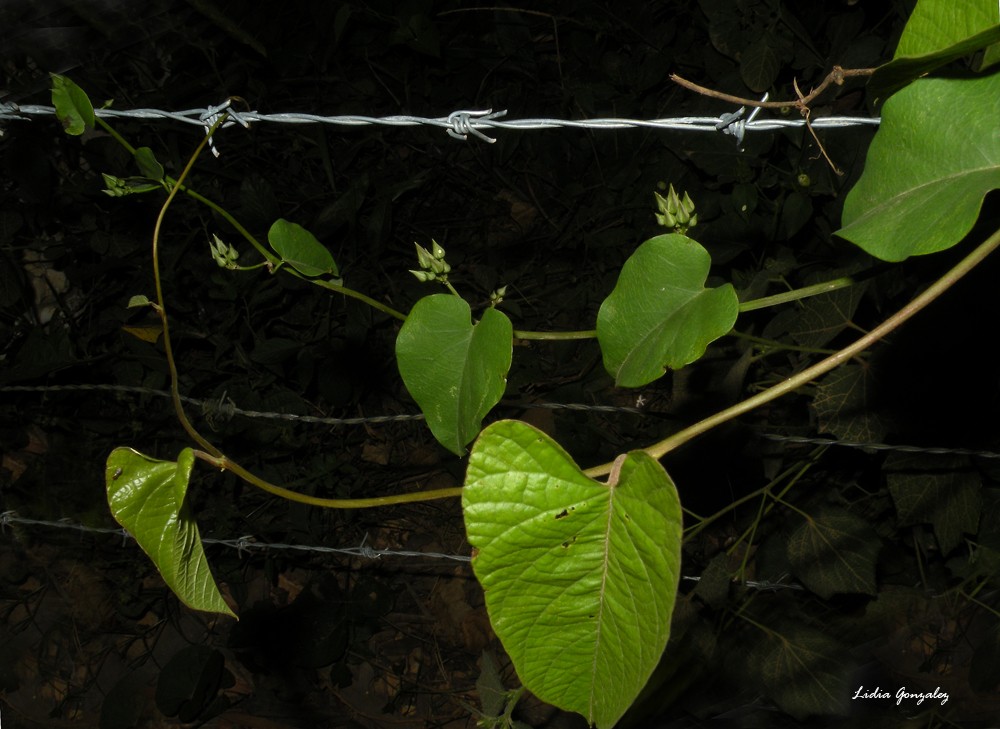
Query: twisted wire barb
458,124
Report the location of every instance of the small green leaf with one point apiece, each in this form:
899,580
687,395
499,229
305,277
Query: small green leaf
580,576
150,168
835,552
944,491
456,371
146,497
923,184
73,107
300,249
660,314
138,300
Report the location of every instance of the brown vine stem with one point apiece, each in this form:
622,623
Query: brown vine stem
836,76
809,374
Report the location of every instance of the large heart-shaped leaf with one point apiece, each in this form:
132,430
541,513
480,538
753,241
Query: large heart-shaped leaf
147,498
937,33
456,371
660,314
300,249
925,178
580,576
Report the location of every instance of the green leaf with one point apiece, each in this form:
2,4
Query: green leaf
660,313
835,552
935,35
148,165
73,108
146,496
935,25
943,491
803,671
903,69
300,249
580,576
923,183
456,371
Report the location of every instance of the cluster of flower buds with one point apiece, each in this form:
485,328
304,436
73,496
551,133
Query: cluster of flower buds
676,213
222,253
432,264
496,296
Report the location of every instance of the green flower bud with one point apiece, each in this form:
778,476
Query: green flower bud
440,267
423,276
424,257
687,204
437,250
661,202
667,220
223,254
675,212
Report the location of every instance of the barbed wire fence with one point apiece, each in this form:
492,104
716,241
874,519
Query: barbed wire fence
459,125
226,408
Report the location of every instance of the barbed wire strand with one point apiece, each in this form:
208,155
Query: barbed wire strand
458,124
224,407
248,543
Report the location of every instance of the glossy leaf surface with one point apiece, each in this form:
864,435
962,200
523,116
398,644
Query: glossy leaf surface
924,181
660,314
937,32
454,369
146,497
580,576
300,249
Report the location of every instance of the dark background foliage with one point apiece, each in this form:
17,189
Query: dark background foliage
329,641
